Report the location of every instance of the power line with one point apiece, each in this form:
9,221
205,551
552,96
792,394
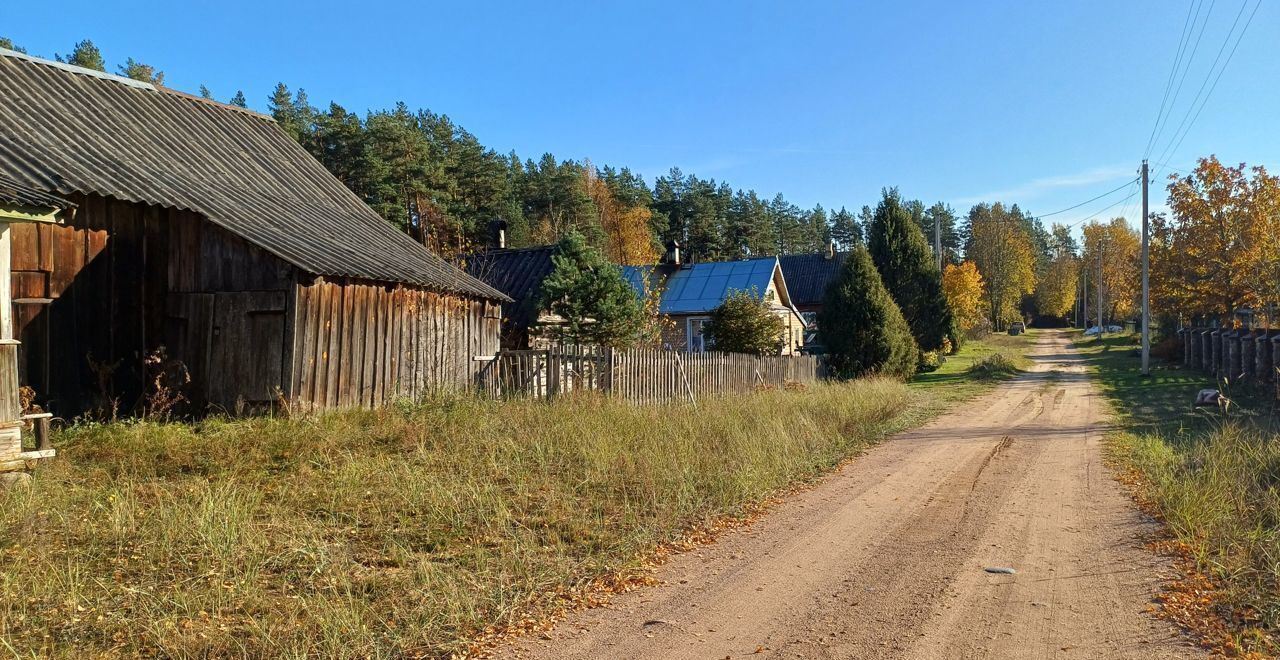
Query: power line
1105,209
1173,102
1177,139
1168,86
1069,208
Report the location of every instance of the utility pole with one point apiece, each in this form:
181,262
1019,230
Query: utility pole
1102,328
1084,296
1146,281
937,240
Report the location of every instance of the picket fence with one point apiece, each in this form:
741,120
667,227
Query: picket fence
642,375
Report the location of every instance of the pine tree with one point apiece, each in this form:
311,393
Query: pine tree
907,267
845,230
238,100
141,72
861,326
596,301
86,55
8,44
205,93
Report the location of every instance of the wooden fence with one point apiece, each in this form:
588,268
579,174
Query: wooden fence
642,375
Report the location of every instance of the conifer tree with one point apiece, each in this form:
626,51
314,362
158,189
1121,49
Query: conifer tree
7,43
238,100
141,72
85,54
845,230
597,303
861,326
908,270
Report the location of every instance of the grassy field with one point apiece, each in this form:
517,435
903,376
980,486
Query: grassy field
406,531
966,374
1213,478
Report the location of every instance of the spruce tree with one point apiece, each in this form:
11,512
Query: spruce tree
861,326
908,270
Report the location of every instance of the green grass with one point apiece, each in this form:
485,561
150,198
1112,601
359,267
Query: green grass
963,375
1213,478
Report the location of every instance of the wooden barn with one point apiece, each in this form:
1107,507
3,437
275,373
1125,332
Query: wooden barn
207,243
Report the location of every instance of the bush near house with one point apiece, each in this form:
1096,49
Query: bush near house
744,323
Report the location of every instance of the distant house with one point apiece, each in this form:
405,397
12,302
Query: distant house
808,276
206,231
690,292
518,273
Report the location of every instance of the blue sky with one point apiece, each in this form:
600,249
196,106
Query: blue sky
1041,103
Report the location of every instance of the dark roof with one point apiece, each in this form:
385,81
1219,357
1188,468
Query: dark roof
519,274
65,129
12,192
808,275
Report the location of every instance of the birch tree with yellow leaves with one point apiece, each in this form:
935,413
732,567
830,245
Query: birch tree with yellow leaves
1000,246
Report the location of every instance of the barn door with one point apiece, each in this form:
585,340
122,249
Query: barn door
246,356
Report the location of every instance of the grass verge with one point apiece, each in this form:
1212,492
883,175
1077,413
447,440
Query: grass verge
1214,480
405,531
970,371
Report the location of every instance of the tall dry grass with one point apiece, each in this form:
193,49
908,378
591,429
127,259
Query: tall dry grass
1219,491
402,531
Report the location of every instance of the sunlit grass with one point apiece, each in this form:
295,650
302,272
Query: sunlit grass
1214,478
403,531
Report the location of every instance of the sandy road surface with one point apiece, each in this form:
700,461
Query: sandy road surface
886,557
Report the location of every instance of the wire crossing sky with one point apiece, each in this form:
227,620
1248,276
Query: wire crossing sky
1044,104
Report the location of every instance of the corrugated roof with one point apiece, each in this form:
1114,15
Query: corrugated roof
12,192
809,275
70,130
519,274
697,288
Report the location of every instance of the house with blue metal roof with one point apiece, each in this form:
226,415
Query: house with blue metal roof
687,293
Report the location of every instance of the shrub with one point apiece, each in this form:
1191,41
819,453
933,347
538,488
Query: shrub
744,323
992,367
862,327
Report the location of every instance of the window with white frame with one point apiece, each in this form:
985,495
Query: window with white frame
698,341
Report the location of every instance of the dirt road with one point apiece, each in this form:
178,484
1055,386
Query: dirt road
887,557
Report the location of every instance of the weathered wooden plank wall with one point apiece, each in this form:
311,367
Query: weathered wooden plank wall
364,344
122,279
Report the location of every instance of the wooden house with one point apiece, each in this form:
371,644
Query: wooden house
207,241
690,292
518,273
808,276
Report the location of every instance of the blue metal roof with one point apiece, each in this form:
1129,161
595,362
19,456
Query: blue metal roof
702,287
